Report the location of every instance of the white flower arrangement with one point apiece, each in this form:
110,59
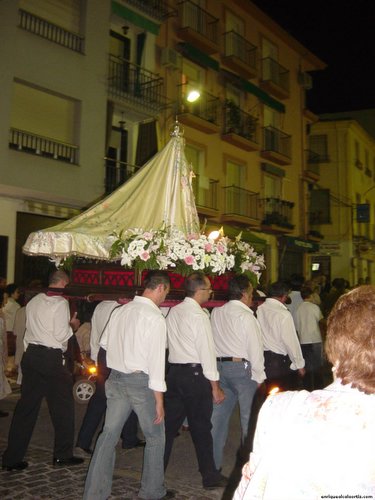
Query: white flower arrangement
171,249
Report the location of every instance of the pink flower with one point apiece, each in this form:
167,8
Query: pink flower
144,256
189,260
208,247
220,248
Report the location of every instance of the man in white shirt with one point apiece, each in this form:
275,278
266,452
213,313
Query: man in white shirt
239,351
98,402
307,319
282,351
192,378
48,329
135,345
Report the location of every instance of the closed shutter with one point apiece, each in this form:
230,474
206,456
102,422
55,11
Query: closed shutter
63,13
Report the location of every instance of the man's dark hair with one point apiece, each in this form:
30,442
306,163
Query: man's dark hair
194,282
296,281
10,289
278,289
155,278
339,283
306,292
237,286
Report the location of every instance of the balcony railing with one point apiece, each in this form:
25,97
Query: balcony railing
116,173
239,201
158,9
312,160
194,17
52,32
128,81
277,141
205,196
273,72
206,107
277,212
27,142
239,122
236,45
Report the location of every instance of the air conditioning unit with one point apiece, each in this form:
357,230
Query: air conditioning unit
171,58
305,80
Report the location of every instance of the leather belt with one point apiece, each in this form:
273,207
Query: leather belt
190,365
228,358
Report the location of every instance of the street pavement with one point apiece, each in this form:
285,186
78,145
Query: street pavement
43,481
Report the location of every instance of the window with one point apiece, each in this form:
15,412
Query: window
201,183
44,113
44,123
319,145
357,155
272,186
64,13
320,207
235,174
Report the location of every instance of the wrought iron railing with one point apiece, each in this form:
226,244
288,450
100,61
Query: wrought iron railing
312,160
278,212
28,142
158,9
132,82
237,46
199,20
277,141
50,31
239,201
206,107
205,193
273,72
116,173
239,122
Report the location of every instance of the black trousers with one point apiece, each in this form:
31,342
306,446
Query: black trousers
96,409
278,372
44,376
189,394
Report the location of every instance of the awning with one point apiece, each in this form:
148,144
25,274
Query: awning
253,89
299,244
198,56
134,18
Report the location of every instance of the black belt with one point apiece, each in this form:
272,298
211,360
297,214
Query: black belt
189,365
236,360
40,346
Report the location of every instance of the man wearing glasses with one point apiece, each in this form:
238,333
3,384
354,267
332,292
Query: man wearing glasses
192,379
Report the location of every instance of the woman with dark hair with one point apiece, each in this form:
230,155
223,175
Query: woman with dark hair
308,445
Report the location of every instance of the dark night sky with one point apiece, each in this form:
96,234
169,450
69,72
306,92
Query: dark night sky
342,34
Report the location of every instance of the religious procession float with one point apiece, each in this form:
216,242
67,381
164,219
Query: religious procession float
150,222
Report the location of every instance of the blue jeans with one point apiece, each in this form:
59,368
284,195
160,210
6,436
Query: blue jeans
126,392
236,382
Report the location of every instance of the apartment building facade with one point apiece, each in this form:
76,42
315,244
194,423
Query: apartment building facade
92,88
342,205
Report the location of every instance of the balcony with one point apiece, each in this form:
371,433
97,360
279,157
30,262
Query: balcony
49,31
311,171
203,114
276,146
277,215
205,193
116,173
198,27
130,83
240,128
157,9
275,78
27,142
239,55
240,206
